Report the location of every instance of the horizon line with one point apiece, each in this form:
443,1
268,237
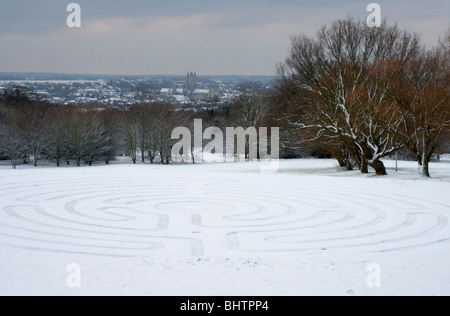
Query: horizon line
128,75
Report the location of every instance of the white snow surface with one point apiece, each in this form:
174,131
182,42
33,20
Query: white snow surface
224,229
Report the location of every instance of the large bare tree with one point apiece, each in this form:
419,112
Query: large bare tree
35,128
87,136
57,142
344,96
251,105
421,90
12,139
165,118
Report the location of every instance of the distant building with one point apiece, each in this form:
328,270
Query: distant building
200,94
180,99
206,94
191,82
165,92
191,93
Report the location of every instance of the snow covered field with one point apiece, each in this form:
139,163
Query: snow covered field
224,229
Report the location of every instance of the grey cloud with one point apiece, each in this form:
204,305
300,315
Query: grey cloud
172,36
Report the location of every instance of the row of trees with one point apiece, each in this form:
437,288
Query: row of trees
60,134
366,93
30,129
148,128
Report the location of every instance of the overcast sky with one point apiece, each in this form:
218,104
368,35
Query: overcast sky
212,37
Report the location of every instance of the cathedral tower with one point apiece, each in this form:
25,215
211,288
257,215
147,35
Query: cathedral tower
191,81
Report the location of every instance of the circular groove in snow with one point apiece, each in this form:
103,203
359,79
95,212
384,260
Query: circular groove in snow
168,216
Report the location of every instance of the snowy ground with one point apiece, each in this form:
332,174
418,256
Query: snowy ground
224,229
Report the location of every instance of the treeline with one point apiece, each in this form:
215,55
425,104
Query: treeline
36,130
31,130
366,93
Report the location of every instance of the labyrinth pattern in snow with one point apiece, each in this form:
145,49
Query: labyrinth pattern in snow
200,217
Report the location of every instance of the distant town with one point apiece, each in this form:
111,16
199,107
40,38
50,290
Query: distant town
123,91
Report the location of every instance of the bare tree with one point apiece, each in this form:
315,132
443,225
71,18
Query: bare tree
289,110
12,137
251,105
97,141
345,98
165,118
250,108
75,136
148,129
145,124
109,120
131,132
420,88
57,142
35,118
87,136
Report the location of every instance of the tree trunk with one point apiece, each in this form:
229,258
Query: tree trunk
355,157
151,157
133,156
364,165
348,165
426,157
36,156
425,169
345,163
341,162
347,160
425,164
379,167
